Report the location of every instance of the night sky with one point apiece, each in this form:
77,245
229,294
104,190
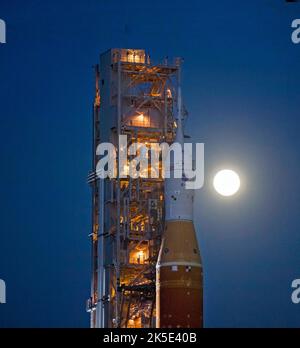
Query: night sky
241,86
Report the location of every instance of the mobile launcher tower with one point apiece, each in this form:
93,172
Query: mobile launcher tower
146,267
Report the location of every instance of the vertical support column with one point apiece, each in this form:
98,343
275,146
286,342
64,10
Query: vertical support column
101,273
96,278
165,111
95,215
94,184
117,256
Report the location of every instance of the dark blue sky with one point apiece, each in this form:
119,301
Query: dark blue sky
241,85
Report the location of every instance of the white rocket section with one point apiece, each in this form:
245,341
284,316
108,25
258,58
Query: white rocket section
178,200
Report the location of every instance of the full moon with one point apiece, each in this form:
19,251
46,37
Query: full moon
226,182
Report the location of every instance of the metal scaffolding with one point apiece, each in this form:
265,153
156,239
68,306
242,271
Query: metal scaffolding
135,98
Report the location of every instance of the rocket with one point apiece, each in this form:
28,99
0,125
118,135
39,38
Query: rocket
179,277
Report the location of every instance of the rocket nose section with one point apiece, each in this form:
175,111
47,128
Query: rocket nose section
179,244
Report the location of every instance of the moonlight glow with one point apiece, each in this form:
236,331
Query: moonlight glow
226,182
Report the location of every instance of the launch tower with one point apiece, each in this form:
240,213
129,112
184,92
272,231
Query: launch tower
136,98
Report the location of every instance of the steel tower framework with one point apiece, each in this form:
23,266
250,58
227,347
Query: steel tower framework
135,98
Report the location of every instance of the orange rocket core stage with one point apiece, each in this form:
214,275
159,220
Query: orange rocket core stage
179,283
